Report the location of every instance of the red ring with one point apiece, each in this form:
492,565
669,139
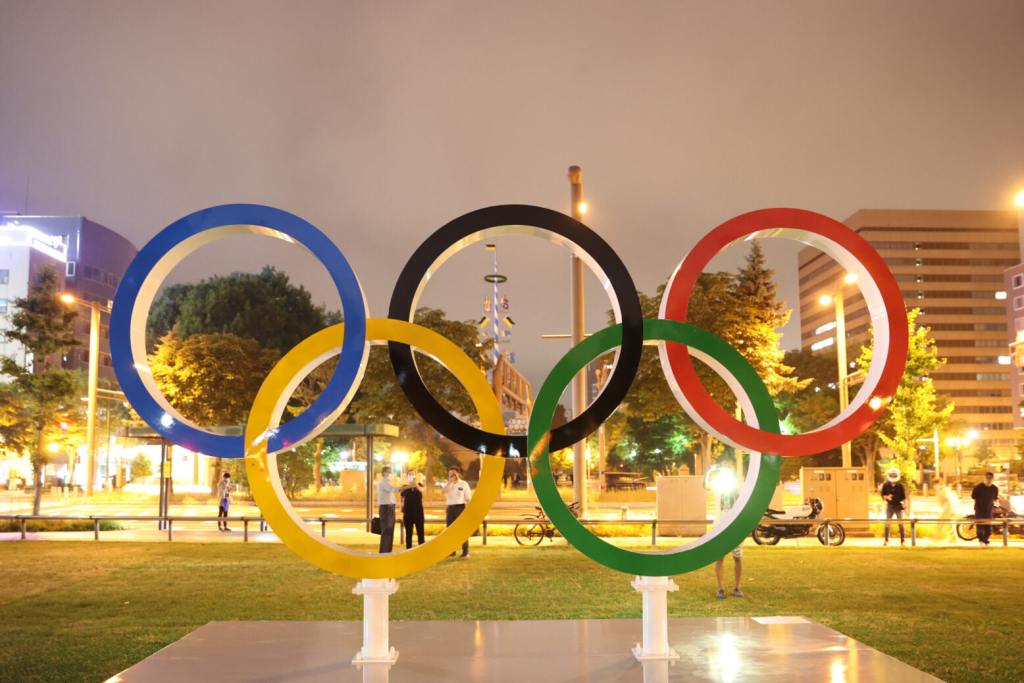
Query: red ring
677,299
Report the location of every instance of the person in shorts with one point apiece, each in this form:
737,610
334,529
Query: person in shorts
723,481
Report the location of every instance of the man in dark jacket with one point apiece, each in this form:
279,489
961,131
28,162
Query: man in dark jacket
412,509
895,497
985,495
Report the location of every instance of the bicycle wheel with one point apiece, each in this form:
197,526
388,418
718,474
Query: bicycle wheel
529,534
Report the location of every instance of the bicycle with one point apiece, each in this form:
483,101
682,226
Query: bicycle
539,527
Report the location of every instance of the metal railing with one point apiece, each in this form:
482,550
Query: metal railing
166,523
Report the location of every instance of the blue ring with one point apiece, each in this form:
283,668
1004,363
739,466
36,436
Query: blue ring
353,348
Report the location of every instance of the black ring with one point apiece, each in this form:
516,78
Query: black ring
495,278
410,280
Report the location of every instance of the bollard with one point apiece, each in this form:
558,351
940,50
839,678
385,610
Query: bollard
169,536
1006,531
655,591
376,593
245,530
654,532
95,529
484,538
22,520
323,528
913,533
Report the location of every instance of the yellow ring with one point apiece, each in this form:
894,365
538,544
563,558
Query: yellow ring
265,483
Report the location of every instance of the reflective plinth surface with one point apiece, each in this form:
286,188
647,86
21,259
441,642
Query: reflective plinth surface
595,651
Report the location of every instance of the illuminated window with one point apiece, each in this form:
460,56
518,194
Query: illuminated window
3,306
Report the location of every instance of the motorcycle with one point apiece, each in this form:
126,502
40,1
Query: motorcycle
830,533
967,531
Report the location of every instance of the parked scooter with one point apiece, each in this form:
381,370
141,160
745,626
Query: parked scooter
830,533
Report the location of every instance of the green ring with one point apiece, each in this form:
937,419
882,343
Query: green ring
668,562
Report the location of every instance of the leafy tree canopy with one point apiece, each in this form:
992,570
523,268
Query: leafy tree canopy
264,306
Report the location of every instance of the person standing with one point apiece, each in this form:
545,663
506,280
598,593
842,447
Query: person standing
457,495
947,501
723,481
985,495
895,497
412,509
386,509
224,489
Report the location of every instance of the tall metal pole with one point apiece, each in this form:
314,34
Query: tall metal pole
90,425
844,399
369,480
579,383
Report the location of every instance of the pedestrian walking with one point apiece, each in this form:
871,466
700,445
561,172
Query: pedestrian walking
386,509
985,495
412,509
947,501
457,495
224,489
895,497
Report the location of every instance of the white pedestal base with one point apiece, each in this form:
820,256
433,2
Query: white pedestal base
655,591
375,648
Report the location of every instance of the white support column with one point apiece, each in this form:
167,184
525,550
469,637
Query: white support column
655,591
375,648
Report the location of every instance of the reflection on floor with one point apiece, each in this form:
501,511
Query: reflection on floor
595,651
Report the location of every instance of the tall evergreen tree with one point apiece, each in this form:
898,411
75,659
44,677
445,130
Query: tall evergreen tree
42,391
757,317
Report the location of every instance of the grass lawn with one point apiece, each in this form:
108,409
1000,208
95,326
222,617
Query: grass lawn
81,611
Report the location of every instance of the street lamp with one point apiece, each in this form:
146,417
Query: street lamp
578,331
94,368
960,442
837,299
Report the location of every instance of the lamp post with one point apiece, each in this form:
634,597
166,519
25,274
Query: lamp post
579,382
959,442
837,299
94,368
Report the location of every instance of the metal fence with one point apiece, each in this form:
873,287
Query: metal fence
166,523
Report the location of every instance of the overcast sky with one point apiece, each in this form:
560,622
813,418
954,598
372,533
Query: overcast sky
379,122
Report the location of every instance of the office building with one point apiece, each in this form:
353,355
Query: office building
89,258
951,265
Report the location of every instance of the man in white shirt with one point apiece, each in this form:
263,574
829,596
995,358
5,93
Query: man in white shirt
386,501
457,495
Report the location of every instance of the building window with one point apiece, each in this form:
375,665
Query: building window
3,306
1018,303
5,276
70,269
1018,281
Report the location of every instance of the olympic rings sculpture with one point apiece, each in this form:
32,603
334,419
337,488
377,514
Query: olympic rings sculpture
677,341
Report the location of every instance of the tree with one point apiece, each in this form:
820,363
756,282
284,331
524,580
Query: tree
42,392
212,379
758,317
264,307
380,399
141,467
743,310
810,406
915,411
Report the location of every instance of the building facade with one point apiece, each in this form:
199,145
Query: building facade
90,258
949,264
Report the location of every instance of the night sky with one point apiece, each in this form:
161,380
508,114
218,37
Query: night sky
379,122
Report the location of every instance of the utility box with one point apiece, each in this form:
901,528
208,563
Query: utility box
681,497
843,491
